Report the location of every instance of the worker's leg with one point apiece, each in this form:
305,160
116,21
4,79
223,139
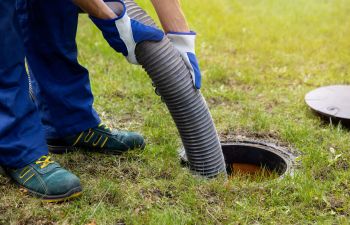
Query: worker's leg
63,92
63,88
21,133
23,150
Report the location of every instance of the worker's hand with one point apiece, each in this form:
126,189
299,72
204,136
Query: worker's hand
123,33
185,44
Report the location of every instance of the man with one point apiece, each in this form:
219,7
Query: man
44,32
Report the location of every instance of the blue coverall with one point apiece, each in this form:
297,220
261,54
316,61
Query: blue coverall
44,32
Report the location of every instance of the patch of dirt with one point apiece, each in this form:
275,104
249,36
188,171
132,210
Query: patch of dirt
91,223
140,209
271,136
337,205
324,173
120,222
341,164
166,175
152,195
4,207
115,94
211,197
3,181
345,186
332,203
130,173
155,195
327,172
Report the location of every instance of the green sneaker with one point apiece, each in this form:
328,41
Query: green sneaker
46,179
98,139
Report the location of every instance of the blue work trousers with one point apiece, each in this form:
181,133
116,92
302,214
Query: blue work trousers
22,138
44,32
61,85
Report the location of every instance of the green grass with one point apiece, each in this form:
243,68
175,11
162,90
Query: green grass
259,59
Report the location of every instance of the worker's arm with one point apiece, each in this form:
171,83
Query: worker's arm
175,25
169,12
121,32
170,15
96,8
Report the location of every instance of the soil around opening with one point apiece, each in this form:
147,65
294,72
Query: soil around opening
254,159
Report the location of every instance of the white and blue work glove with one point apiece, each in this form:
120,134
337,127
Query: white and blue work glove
185,44
123,33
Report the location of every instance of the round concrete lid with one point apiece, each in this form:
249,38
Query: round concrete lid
331,101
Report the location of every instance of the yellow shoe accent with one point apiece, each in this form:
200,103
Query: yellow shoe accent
98,141
29,178
45,162
103,144
73,196
87,138
76,141
24,172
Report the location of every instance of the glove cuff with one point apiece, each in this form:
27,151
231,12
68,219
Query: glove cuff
115,30
183,41
182,33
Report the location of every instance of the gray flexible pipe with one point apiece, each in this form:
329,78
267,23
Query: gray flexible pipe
187,106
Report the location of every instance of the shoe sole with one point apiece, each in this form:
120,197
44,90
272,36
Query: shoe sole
71,194
61,149
66,149
65,199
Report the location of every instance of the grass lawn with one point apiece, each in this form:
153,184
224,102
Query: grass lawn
259,59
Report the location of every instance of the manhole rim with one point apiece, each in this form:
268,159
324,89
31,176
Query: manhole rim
287,156
286,153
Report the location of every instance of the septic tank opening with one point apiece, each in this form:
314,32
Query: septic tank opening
254,158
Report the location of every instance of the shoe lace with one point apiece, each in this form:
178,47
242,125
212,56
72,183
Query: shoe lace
104,126
44,161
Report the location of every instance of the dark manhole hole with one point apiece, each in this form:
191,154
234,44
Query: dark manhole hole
255,157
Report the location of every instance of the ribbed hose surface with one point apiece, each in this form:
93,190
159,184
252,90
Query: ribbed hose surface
187,106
